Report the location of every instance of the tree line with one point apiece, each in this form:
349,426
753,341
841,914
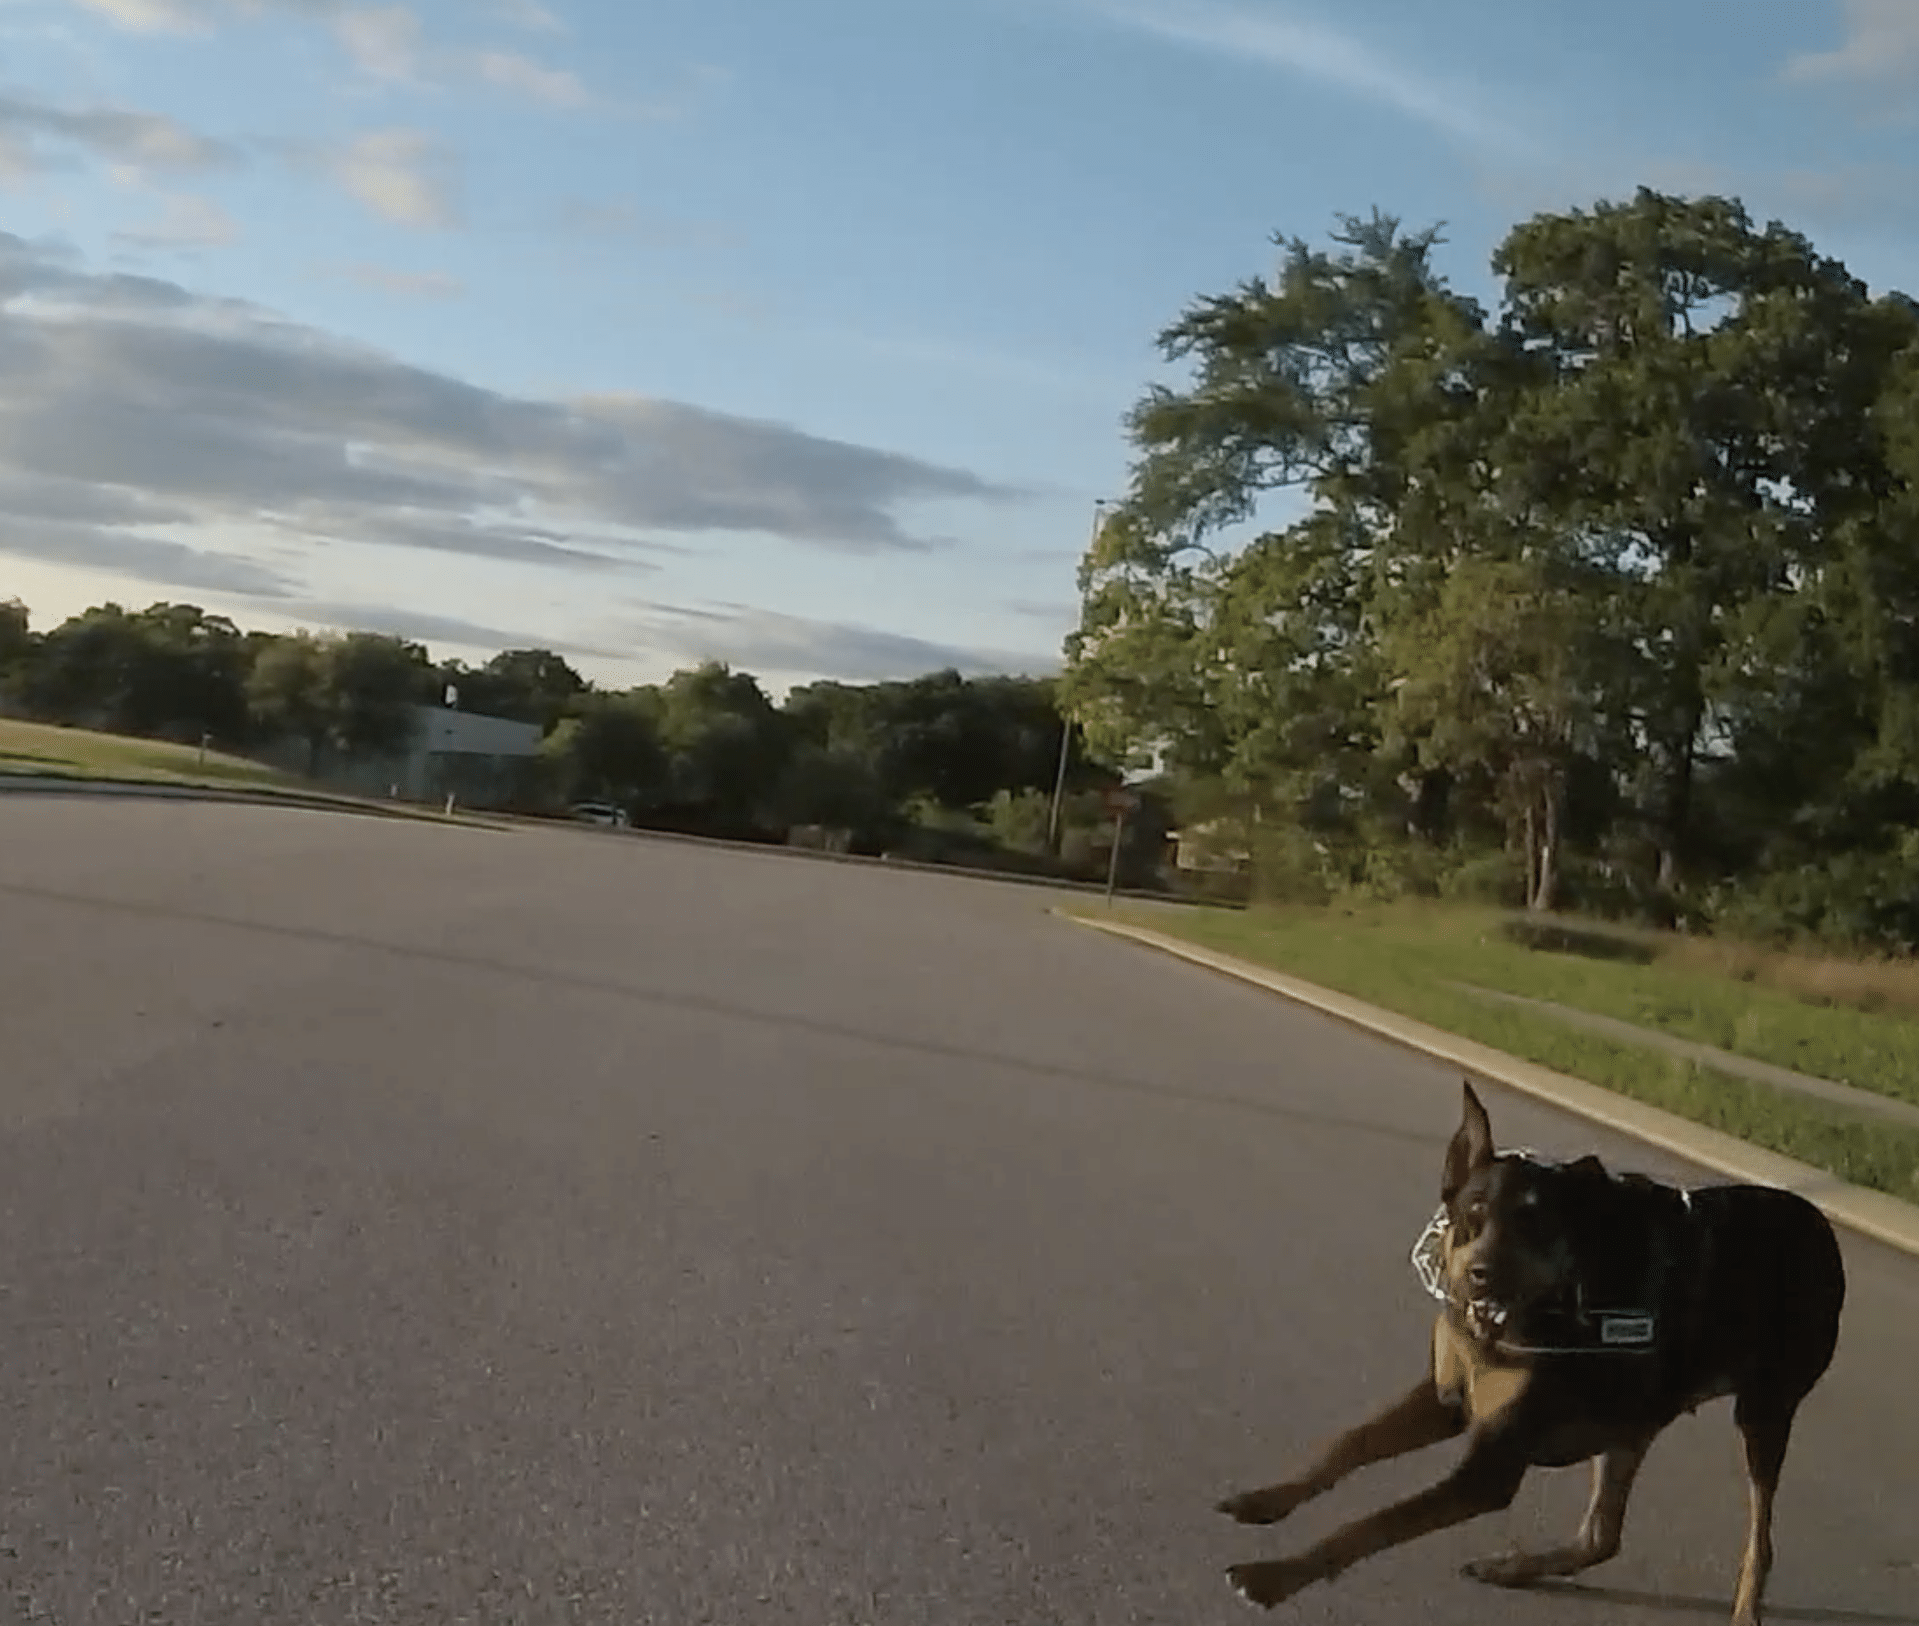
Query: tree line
936,764
1606,597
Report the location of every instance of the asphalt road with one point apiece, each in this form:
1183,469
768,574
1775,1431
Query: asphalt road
419,1224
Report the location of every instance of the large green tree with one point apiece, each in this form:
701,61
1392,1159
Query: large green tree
354,694
609,749
1642,540
170,669
727,745
1309,390
1703,412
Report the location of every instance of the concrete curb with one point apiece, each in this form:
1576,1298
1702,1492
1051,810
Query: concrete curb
1875,1214
1050,883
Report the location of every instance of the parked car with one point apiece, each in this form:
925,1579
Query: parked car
601,813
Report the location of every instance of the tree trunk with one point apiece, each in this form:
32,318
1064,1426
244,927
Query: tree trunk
1691,622
1676,812
1546,892
1530,828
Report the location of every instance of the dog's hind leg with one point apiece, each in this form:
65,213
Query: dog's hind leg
1416,1420
1486,1481
1599,1532
1766,1434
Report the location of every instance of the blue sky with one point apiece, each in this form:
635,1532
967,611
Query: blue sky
797,335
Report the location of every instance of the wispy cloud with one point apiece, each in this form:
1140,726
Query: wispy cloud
771,644
1297,45
36,135
530,15
623,219
1881,44
184,222
428,627
405,176
151,16
130,405
508,70
386,42
403,284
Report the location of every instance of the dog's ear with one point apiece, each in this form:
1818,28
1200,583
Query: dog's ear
1471,1149
1588,1168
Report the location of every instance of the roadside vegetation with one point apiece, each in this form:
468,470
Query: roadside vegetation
1593,607
942,768
1603,597
1421,961
46,750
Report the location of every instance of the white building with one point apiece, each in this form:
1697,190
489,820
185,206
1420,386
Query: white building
480,761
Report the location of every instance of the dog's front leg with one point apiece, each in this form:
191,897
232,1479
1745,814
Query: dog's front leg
1416,1420
1599,1533
1486,1481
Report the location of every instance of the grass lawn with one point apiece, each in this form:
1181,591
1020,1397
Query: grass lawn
46,751
1404,957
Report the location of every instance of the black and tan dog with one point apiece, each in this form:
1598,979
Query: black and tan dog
1584,1312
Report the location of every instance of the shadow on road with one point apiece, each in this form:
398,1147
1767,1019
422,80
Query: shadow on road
789,1020
1621,1597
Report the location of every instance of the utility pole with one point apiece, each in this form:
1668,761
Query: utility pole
1066,726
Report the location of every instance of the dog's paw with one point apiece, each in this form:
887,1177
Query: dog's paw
1266,1506
1507,1570
1270,1582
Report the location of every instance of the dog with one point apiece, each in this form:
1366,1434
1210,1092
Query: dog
1583,1312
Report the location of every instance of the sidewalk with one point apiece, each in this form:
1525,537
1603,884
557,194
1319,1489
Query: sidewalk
1869,1103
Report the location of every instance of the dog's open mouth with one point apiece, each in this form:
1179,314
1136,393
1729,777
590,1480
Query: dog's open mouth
1487,1317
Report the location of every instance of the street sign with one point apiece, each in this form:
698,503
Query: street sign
1120,800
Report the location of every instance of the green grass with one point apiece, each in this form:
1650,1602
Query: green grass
1403,957
44,750
48,751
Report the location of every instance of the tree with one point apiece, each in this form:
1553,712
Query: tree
169,670
1703,394
1504,676
16,644
190,680
370,686
1258,668
726,742
87,670
527,685
610,750
287,693
1646,541
942,737
835,788
355,694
